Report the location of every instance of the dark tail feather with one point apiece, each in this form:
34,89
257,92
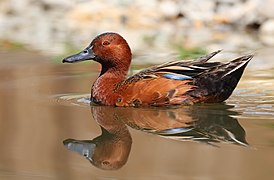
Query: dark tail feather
207,57
230,79
219,84
237,65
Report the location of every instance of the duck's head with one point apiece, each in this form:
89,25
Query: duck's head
109,49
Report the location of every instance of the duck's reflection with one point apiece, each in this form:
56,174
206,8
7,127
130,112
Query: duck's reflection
208,124
110,150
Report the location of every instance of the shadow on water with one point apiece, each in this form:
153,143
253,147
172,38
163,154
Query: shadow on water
207,124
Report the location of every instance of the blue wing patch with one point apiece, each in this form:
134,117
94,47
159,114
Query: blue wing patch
175,131
177,77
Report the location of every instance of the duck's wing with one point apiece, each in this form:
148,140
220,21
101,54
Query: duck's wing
183,82
164,84
177,70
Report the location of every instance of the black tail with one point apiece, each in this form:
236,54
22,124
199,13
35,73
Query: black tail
236,66
218,84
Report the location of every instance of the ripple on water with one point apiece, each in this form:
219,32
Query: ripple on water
74,99
244,102
253,102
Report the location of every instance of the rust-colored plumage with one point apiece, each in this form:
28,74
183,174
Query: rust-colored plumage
172,83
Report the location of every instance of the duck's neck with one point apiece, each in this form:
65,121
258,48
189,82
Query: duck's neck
103,88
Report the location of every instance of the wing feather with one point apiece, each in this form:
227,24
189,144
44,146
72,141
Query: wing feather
178,69
165,84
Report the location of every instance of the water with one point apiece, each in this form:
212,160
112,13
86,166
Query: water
48,130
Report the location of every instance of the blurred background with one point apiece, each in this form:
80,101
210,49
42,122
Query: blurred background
151,27
36,90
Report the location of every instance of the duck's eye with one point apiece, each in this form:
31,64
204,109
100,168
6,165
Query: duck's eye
105,43
85,51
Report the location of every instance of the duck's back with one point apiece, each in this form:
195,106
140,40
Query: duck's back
182,82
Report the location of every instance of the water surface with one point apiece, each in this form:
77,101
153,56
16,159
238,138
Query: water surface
49,131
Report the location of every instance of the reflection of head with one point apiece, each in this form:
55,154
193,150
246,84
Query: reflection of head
111,152
107,151
111,149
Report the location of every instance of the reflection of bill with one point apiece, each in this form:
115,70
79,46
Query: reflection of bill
208,124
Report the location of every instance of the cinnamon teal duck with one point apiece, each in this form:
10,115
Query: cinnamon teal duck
183,82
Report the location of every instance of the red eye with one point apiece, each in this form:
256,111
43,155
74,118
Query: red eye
105,43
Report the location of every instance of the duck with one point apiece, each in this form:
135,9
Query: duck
175,83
